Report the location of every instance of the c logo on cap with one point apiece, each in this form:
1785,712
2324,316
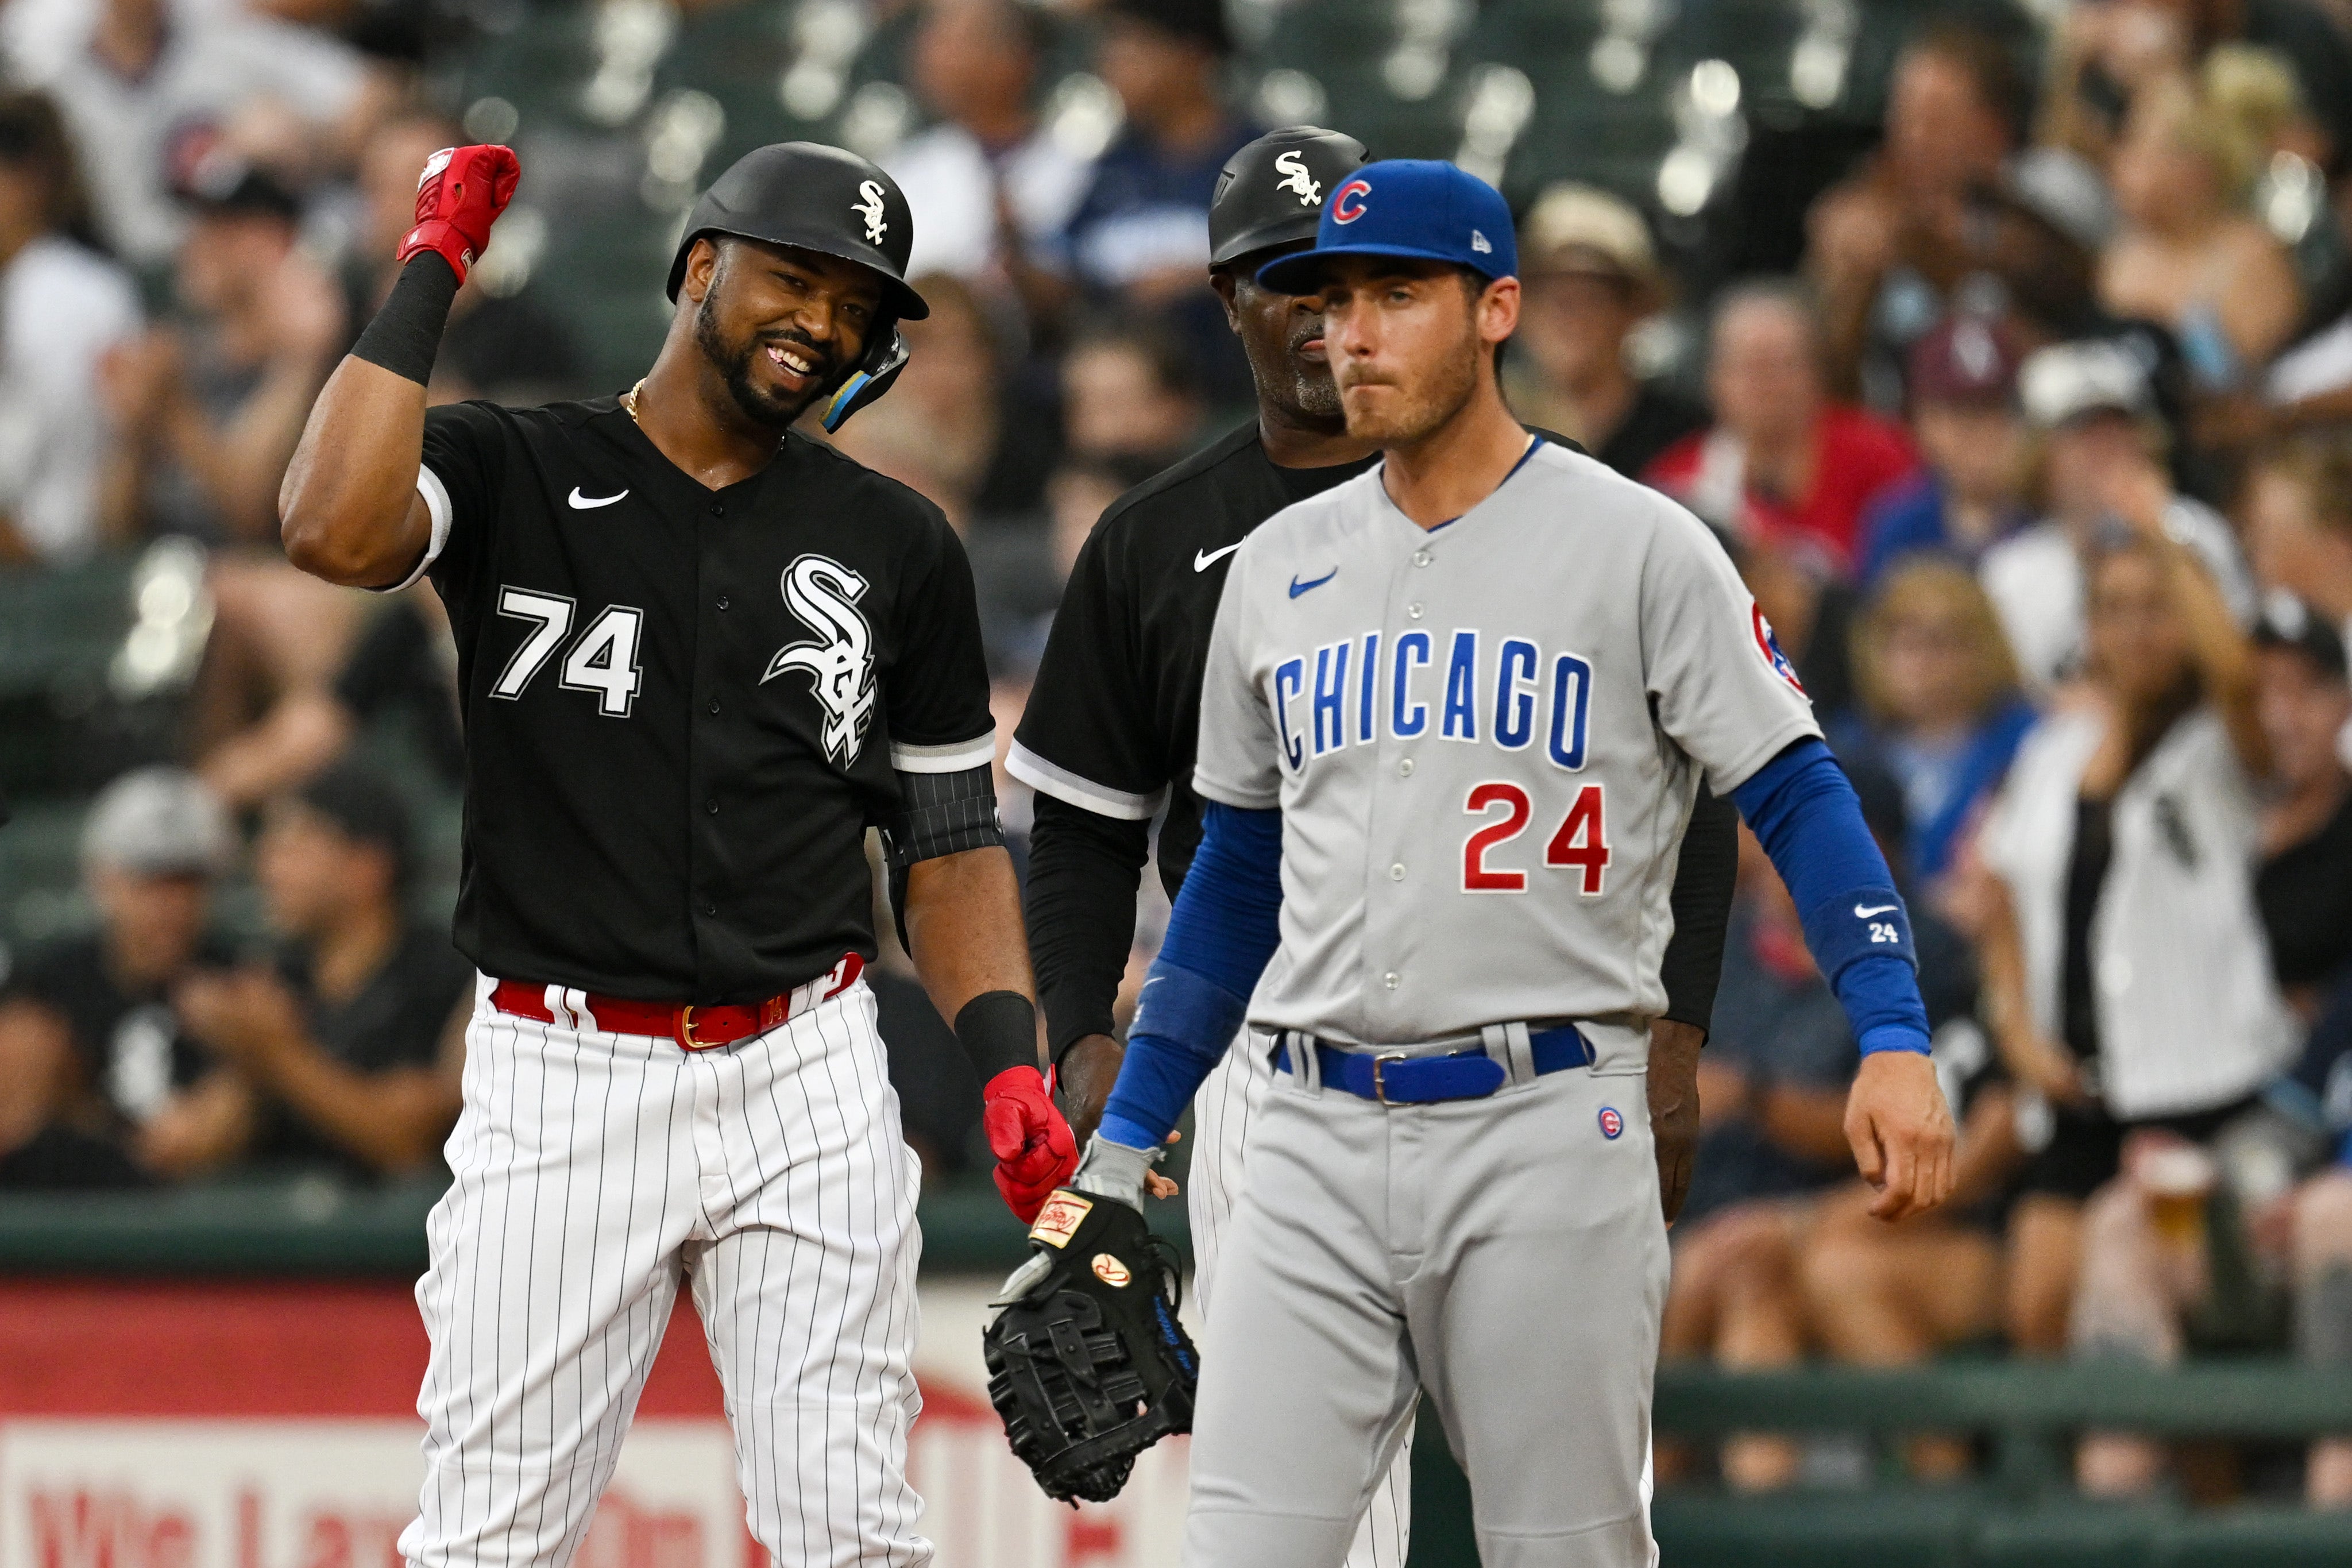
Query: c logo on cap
1348,204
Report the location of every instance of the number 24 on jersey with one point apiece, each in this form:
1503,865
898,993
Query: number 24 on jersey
1579,844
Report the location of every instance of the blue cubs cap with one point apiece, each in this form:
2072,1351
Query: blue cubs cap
1412,207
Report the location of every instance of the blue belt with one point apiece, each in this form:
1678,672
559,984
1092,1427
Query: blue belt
1394,1080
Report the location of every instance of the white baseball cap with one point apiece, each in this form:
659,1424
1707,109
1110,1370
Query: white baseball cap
2066,381
158,822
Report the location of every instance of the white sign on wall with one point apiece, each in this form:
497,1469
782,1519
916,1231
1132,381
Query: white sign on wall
299,1492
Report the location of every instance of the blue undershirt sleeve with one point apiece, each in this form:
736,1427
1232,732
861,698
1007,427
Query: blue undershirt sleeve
1803,810
1224,929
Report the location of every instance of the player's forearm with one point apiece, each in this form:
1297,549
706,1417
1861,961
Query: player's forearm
1807,818
393,1122
348,509
1084,868
964,927
1225,927
1705,869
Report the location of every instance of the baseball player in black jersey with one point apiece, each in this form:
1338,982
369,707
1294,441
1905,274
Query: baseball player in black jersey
1108,736
699,654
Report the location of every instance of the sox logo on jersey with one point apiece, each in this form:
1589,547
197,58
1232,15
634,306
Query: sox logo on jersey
824,595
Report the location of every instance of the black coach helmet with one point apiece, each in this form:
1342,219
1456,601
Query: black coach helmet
824,199
1272,191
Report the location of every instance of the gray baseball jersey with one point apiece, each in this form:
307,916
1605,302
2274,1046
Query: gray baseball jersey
1484,740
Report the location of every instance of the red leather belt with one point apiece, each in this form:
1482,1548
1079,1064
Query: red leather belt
695,1028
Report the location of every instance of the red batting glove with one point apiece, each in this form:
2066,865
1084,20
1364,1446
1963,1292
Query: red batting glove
1033,1148
458,197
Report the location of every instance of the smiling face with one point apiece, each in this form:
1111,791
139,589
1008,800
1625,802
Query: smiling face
1283,336
1410,342
779,324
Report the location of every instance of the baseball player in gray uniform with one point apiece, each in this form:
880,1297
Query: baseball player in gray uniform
1454,715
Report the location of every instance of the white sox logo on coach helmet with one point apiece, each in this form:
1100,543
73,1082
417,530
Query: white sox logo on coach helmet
870,209
824,595
1296,178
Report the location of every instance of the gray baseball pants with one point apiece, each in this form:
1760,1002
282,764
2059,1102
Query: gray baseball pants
1507,1254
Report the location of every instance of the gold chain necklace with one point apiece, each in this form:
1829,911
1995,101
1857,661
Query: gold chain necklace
629,398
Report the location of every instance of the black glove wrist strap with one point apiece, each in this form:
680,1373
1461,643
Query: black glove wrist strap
998,1030
406,336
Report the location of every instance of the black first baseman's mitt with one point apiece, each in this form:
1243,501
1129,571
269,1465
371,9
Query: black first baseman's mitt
1086,1362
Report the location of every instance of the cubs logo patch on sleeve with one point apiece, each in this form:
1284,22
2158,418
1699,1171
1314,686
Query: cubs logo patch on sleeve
1768,646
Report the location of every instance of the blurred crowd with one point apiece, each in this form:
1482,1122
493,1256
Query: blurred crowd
2039,459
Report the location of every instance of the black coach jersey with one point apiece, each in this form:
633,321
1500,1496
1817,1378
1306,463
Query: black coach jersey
684,706
1113,717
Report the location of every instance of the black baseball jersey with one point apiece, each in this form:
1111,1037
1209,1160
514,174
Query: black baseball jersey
683,706
1114,713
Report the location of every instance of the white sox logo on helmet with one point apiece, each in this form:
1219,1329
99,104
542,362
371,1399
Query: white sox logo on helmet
870,209
1295,177
824,595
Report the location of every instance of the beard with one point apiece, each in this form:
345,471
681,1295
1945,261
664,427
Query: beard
1312,392
762,405
1412,413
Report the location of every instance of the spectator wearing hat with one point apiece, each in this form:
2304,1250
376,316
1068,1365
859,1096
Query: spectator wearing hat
1140,237
1784,466
101,1082
139,80
1591,277
207,408
351,1048
62,308
2305,885
993,184
1964,416
208,405
2298,513
2093,408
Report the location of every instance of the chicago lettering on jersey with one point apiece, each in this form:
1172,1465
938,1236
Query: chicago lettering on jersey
1466,685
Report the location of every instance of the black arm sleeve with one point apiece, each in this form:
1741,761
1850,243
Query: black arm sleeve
1704,875
939,813
1084,868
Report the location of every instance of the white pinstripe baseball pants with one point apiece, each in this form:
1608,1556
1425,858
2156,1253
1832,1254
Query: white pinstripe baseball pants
595,1172
1228,1102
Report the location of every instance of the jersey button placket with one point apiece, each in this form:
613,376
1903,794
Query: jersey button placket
1389,816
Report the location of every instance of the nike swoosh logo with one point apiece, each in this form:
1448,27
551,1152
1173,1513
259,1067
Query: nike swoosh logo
1298,588
1862,913
584,503
1205,559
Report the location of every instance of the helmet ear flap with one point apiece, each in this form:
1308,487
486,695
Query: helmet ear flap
875,371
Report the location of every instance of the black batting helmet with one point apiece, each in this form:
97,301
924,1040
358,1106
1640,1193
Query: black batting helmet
821,198
1271,192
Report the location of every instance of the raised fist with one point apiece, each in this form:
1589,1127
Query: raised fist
458,197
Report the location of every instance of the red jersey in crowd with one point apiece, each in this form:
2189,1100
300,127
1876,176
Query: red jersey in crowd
1858,455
